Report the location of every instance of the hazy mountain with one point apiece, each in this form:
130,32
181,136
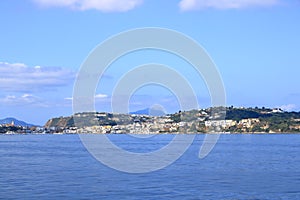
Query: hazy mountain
150,111
9,120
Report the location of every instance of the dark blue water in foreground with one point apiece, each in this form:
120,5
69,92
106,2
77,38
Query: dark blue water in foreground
239,167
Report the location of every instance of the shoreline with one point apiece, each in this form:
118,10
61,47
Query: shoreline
171,133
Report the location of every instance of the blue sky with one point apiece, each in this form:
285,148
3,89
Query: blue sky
255,45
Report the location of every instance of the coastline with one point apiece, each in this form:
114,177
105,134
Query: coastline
170,133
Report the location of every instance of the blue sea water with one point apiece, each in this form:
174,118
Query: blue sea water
239,167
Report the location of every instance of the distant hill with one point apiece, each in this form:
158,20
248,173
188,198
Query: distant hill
149,111
16,122
238,120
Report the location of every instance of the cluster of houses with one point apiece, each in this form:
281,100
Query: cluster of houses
201,121
12,128
149,126
164,127
244,124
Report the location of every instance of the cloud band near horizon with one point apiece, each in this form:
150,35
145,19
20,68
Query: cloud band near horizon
189,5
18,77
101,5
127,5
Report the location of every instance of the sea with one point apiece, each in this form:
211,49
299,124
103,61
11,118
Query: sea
240,166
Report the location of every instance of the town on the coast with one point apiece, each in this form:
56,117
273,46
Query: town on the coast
210,120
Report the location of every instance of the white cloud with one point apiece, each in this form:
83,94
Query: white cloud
22,100
69,98
18,77
31,101
101,96
288,107
101,5
97,96
187,5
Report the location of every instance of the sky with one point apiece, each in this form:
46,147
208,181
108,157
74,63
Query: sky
43,43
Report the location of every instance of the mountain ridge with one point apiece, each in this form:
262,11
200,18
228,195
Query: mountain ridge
9,120
150,112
